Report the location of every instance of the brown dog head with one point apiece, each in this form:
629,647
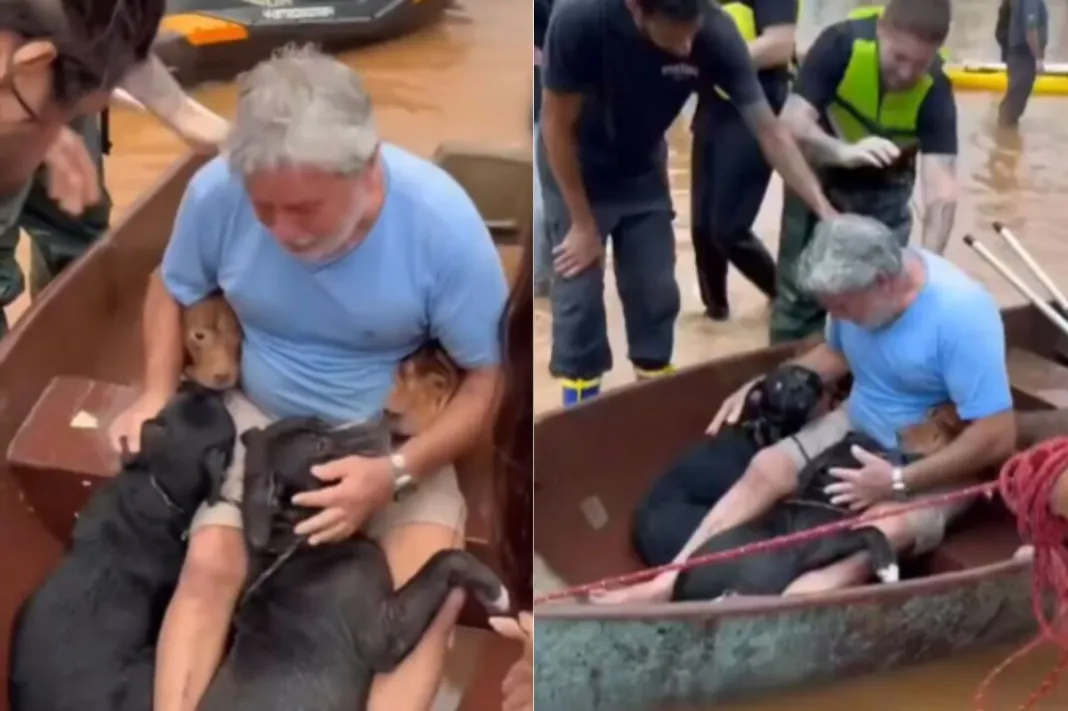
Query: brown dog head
424,384
941,427
212,336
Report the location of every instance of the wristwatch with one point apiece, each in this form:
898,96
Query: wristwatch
403,481
897,483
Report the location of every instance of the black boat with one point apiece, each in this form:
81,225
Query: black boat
205,40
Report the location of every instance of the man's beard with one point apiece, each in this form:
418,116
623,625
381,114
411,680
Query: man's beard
328,248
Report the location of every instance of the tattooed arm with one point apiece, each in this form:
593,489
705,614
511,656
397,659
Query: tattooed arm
938,180
152,85
803,121
782,152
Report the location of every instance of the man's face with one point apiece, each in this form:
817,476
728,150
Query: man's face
672,36
30,118
871,308
312,213
903,57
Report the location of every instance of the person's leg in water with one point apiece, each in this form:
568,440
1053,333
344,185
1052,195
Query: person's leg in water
643,254
59,238
740,178
710,261
794,315
12,280
1022,70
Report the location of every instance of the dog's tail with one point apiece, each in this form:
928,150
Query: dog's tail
883,558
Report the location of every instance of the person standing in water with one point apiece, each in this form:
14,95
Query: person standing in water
616,74
871,95
1024,54
728,171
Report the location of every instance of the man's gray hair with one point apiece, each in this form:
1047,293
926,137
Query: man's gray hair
301,108
848,253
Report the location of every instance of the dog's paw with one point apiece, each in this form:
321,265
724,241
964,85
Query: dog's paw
1025,553
889,574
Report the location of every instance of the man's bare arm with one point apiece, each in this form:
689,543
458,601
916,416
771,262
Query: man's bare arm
938,179
456,430
161,330
152,84
986,442
782,152
559,115
803,121
825,361
774,47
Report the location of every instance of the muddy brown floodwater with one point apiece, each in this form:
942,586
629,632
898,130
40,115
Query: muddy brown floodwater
1021,180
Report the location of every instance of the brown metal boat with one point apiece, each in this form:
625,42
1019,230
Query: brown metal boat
70,364
595,462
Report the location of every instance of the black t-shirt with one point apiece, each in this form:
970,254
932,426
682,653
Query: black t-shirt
632,90
825,65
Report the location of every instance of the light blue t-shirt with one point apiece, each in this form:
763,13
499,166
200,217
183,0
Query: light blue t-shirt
948,345
325,340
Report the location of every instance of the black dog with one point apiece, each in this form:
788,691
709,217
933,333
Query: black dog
317,623
771,572
85,640
776,407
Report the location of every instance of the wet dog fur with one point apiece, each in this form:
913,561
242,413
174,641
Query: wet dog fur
314,629
212,335
771,572
85,640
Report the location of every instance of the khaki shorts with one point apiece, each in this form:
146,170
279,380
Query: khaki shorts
436,499
928,525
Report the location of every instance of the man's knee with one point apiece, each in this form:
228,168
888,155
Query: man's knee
774,471
215,564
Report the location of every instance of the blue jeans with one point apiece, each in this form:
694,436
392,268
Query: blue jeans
543,258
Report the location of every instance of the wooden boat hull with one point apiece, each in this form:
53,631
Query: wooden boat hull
76,349
596,460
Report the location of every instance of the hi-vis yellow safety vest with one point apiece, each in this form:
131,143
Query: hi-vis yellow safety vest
857,111
745,19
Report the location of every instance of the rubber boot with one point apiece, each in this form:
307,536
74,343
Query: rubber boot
576,391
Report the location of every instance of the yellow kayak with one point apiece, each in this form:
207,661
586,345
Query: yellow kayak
991,76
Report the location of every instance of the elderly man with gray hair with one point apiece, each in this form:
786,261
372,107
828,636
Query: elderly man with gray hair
915,332
341,254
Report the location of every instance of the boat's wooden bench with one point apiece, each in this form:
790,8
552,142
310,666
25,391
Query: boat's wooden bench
61,451
1037,382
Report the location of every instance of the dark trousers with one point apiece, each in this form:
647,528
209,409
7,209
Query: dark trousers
796,315
680,499
57,238
1023,71
729,180
639,226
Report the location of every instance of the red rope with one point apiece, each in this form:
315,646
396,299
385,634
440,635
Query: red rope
770,544
1026,484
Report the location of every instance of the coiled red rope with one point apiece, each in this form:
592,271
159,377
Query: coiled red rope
1026,485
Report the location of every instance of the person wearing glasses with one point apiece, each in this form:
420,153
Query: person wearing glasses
57,76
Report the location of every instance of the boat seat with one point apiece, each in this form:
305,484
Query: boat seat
61,452
1040,382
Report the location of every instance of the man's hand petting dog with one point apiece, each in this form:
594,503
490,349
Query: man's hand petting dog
361,486
125,432
859,489
732,407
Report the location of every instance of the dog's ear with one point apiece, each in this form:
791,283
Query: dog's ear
216,462
258,507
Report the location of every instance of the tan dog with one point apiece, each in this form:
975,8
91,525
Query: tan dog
424,384
212,337
942,426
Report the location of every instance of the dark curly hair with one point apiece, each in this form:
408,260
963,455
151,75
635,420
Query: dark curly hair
97,41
